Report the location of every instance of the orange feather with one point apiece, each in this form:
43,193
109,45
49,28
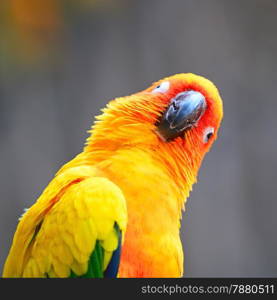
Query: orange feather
156,177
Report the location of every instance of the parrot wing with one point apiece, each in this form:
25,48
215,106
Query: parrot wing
74,229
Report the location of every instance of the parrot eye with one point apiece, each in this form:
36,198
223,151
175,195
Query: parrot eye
161,88
208,133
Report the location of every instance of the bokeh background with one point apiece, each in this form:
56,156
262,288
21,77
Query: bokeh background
61,61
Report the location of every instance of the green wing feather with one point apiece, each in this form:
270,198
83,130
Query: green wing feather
95,264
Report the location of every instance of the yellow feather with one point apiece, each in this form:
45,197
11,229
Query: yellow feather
111,241
79,268
107,258
79,214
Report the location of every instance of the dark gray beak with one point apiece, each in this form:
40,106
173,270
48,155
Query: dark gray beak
183,113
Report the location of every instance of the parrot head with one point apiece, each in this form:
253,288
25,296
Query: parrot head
191,106
176,120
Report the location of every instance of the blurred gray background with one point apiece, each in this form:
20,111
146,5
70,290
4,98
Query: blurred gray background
61,61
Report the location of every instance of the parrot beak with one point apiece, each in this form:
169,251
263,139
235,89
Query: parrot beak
183,113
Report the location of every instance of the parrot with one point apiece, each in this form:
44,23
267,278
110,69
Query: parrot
115,209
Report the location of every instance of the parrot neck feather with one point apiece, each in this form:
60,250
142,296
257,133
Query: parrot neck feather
126,135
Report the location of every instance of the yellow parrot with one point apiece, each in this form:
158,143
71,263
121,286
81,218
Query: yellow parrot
115,209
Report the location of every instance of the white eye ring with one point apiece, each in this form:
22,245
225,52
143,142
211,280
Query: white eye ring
208,133
162,88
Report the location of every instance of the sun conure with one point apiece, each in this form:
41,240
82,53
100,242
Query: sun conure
115,209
